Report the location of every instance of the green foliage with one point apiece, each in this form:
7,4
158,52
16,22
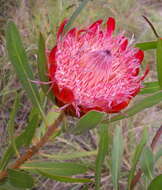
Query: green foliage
8,186
19,60
56,168
51,116
42,68
158,154
147,162
102,151
88,121
138,107
59,171
150,87
20,179
64,179
11,122
23,139
147,45
116,156
159,61
70,156
136,156
156,183
75,14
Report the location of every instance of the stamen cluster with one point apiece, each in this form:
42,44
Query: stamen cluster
93,70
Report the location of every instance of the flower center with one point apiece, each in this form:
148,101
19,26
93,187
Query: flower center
99,62
108,52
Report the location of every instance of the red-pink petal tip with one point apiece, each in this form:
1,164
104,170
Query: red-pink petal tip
110,26
61,28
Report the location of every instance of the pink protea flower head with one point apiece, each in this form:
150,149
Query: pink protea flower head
91,69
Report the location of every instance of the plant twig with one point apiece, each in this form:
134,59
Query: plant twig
151,25
156,138
153,144
34,149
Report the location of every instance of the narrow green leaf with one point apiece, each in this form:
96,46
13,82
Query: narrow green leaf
64,179
102,151
158,155
159,61
20,179
56,168
156,183
138,107
146,45
147,162
42,68
75,14
88,121
19,60
21,140
151,84
50,119
12,117
116,158
72,155
7,186
150,87
11,122
5,92
30,130
136,156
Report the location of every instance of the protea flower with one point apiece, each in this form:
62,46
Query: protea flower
91,69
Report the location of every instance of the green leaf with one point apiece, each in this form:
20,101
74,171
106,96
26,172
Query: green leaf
51,116
11,122
30,130
147,162
8,186
102,151
56,168
117,152
75,14
140,106
150,87
159,61
70,156
65,179
20,179
42,68
88,121
136,156
158,155
19,60
21,140
146,45
156,183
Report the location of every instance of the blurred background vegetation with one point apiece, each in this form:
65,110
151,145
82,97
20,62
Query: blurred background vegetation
33,16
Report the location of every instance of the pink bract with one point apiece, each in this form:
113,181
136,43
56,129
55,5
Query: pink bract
91,69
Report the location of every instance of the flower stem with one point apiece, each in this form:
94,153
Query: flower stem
34,149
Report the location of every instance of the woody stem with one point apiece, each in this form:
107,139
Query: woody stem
34,149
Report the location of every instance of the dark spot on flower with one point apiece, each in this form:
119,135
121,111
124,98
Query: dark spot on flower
107,52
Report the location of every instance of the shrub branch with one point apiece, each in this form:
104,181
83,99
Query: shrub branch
35,148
